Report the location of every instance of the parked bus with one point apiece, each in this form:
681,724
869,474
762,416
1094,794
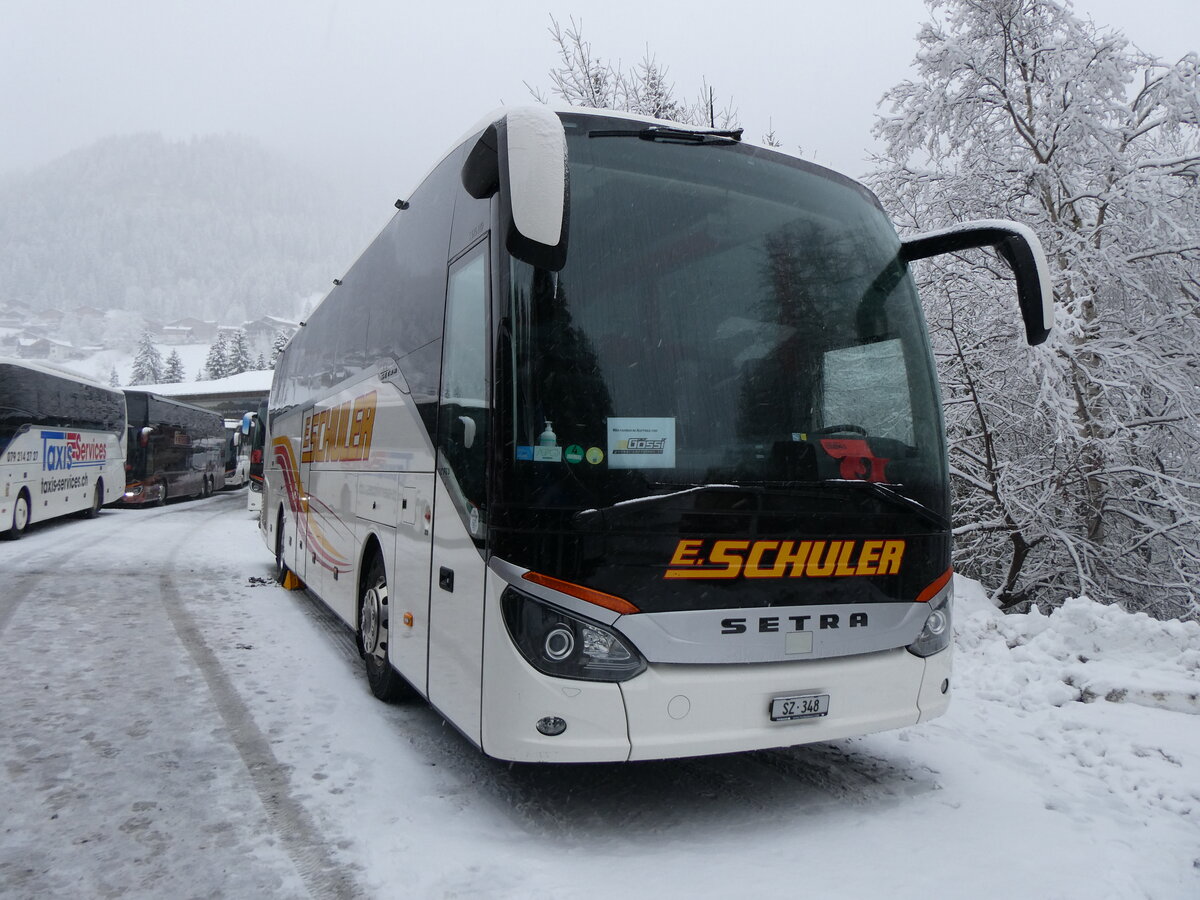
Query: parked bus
237,454
176,450
623,441
62,444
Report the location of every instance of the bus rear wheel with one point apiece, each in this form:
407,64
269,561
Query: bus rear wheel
281,568
97,501
373,620
20,516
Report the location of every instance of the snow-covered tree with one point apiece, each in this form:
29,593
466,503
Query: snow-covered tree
582,78
114,380
237,358
216,364
1074,464
174,373
260,364
147,363
277,346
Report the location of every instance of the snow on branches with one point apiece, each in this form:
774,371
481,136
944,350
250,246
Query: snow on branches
1074,465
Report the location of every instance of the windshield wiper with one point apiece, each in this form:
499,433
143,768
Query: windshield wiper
824,489
668,135
898,499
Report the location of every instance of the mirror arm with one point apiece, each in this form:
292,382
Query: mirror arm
1017,245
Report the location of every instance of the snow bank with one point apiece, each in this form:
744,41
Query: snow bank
1082,651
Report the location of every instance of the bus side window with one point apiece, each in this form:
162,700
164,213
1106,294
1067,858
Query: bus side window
463,423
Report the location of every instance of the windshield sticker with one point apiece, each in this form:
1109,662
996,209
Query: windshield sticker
574,454
547,454
595,456
641,443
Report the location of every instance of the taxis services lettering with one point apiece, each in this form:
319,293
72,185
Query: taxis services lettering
784,559
63,450
341,433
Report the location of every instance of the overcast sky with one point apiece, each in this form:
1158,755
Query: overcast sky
374,91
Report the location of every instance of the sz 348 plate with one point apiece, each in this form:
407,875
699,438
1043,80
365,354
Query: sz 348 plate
800,706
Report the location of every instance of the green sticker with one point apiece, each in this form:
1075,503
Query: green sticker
595,455
574,454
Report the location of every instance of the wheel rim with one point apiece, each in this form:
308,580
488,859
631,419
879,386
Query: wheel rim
21,513
373,620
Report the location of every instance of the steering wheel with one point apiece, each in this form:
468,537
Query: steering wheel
837,429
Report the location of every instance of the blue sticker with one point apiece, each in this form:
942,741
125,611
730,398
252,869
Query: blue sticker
525,453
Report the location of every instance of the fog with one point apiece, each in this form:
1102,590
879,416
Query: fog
370,94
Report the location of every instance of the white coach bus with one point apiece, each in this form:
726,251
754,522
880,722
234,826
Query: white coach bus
623,441
62,444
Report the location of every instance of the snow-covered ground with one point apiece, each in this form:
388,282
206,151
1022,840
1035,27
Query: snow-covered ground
173,724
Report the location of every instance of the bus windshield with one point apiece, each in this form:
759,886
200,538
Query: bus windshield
727,316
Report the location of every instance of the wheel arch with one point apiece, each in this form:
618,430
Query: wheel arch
372,547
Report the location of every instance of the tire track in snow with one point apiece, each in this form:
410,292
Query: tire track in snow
299,835
43,562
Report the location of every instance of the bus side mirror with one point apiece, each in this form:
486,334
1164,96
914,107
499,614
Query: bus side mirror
1017,245
522,157
247,421
144,436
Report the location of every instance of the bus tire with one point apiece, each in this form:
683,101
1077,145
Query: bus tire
97,500
20,516
281,569
386,683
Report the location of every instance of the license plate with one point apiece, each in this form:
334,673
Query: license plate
804,706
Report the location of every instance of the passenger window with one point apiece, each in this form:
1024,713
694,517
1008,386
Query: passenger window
463,422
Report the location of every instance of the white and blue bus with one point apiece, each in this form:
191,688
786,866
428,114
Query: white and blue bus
62,444
623,441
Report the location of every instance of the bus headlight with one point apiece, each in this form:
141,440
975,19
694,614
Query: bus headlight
937,633
565,645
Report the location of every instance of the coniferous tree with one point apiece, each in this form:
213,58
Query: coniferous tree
147,364
260,364
277,346
216,363
114,380
174,371
237,359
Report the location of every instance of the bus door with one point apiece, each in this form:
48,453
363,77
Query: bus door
298,516
459,518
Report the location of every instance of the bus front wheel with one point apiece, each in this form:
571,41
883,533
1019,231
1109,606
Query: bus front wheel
20,516
373,619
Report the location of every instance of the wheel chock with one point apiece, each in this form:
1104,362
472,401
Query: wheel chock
291,582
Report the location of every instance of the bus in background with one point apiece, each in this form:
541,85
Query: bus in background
62,444
623,441
254,430
237,454
175,450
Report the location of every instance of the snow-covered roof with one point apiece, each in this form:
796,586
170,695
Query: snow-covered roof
246,382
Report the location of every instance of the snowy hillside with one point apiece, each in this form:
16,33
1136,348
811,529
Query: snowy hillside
216,228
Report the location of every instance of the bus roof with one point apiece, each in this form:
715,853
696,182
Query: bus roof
46,368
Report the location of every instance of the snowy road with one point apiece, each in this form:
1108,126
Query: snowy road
174,725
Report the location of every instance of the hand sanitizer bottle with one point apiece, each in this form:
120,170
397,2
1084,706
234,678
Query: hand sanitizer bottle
548,438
